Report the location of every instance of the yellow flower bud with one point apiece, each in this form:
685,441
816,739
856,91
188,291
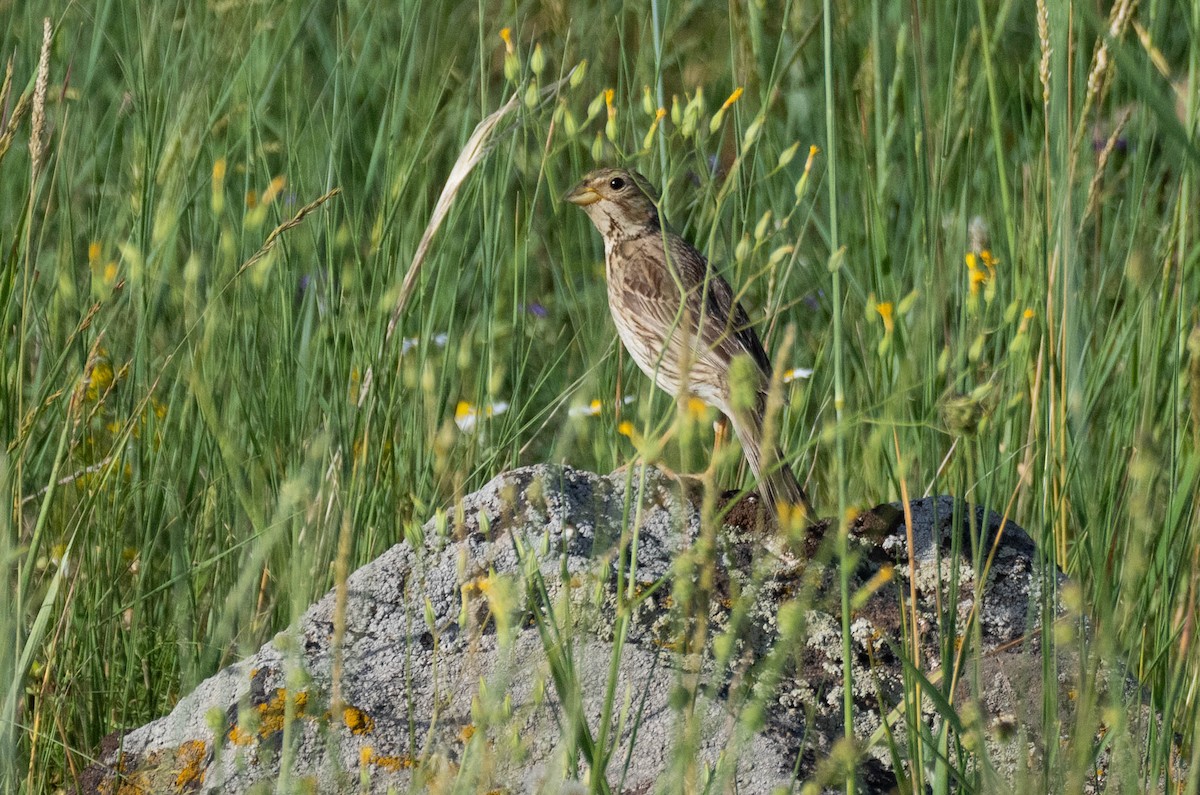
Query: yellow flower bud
595,106
578,73
778,254
786,155
760,229
751,134
218,186
742,252
610,127
659,115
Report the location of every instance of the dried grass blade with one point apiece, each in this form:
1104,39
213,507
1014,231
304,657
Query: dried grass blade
476,148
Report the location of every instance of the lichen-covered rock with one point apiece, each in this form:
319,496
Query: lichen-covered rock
568,621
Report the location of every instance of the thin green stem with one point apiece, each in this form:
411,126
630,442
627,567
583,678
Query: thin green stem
839,394
997,131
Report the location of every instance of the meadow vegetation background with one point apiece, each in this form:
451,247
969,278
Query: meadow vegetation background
989,262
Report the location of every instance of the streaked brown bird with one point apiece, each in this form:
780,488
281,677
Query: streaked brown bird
679,319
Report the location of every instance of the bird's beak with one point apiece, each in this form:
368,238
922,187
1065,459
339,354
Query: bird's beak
582,195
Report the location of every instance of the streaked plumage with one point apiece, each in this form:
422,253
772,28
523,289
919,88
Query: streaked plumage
675,314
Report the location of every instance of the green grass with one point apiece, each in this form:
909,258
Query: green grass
184,438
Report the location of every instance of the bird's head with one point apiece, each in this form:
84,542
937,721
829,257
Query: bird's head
620,203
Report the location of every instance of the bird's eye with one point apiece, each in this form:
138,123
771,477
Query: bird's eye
616,183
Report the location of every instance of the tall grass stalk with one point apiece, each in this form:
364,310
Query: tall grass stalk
836,262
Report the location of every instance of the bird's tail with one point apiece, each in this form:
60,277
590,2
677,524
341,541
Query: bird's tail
777,483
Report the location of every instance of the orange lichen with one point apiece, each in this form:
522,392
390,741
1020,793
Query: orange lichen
357,721
386,762
272,713
131,781
178,770
189,758
239,737
393,763
267,718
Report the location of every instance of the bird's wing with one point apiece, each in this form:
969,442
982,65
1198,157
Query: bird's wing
727,327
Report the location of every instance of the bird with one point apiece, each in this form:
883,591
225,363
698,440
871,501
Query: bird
680,320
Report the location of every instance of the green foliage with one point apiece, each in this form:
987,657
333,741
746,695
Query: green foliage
185,430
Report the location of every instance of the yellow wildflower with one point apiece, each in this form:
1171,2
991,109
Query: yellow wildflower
467,416
885,310
273,190
719,116
610,127
734,97
658,117
99,378
512,64
813,151
976,275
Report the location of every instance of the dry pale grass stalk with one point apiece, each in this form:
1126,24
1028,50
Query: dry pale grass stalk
10,128
1100,75
1193,349
1102,161
1043,24
476,148
1155,54
37,142
99,466
474,151
294,221
6,87
1179,86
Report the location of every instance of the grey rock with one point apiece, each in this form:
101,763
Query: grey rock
486,656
